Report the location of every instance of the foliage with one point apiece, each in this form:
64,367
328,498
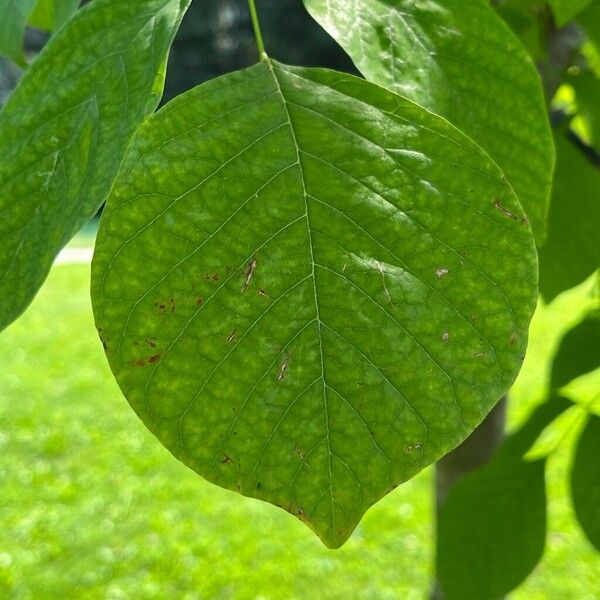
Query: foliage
308,285
93,507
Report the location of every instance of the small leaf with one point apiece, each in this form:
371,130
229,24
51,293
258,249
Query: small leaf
578,354
50,15
65,129
585,481
566,10
492,527
13,20
572,252
298,286
459,60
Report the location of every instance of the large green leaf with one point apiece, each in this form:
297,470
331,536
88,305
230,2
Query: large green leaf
572,252
579,352
51,15
492,527
13,20
298,286
566,10
65,129
458,59
585,481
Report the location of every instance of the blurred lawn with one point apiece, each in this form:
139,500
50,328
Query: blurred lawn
92,506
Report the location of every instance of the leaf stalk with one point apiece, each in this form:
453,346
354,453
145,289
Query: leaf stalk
262,54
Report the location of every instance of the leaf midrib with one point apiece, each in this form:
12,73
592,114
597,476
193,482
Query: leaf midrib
284,103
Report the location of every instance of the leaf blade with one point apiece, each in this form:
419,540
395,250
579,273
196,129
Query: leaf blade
263,341
65,129
459,60
585,481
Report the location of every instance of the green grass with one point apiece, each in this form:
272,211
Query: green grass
92,506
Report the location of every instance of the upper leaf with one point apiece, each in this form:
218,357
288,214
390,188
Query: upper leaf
51,15
572,252
458,59
65,129
310,288
13,20
566,10
585,481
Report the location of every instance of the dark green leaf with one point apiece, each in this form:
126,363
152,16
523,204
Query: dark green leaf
567,10
526,19
65,129
571,252
578,354
298,286
458,59
492,528
589,19
51,15
585,481
13,20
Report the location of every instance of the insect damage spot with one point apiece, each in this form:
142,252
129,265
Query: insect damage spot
166,305
441,273
507,212
249,273
226,460
151,343
283,369
445,336
231,336
261,292
142,362
213,277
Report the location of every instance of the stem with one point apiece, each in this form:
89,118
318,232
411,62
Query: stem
257,32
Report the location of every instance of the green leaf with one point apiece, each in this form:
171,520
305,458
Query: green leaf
585,481
459,60
51,15
578,354
566,10
587,92
589,19
571,253
492,528
13,20
526,19
297,284
64,131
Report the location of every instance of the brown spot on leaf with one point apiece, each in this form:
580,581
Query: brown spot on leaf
199,301
283,369
151,343
226,460
249,273
154,358
213,277
261,292
507,212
